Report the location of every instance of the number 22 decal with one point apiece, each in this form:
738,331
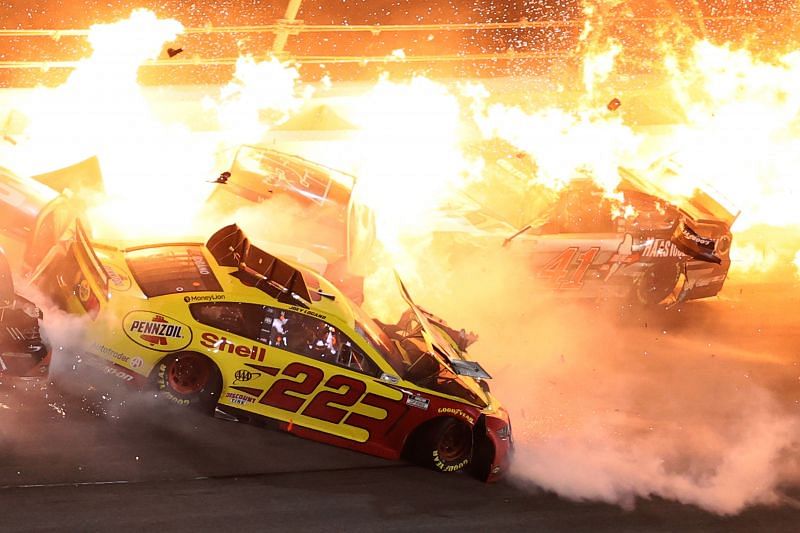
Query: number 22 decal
328,405
560,271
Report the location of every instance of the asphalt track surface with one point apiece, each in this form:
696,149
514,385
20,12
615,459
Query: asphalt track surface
79,458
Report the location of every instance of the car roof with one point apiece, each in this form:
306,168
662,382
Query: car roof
325,298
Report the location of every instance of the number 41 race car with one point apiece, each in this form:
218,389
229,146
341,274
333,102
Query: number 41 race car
228,328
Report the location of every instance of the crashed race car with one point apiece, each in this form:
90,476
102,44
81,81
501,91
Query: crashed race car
228,328
325,219
669,252
36,211
638,248
23,353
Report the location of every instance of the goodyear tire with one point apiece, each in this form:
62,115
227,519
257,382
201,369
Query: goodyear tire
189,381
446,445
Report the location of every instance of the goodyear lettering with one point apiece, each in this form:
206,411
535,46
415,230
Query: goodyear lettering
222,344
162,379
447,468
456,412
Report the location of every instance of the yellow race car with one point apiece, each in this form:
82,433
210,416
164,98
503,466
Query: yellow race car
228,328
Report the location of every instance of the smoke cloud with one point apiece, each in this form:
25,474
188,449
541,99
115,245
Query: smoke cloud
614,403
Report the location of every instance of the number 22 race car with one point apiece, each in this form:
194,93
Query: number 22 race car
228,328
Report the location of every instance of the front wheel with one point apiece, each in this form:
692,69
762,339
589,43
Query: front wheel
188,380
446,446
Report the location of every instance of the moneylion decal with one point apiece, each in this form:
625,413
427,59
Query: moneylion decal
156,331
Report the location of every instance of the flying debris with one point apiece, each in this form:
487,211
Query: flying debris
172,52
614,104
222,179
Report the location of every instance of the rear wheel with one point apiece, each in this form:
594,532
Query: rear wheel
659,282
446,445
188,380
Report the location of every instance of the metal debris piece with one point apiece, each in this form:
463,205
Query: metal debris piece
222,179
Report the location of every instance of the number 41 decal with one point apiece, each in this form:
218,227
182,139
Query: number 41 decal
562,274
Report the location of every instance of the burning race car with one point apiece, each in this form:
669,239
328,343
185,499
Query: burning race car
226,327
667,253
581,244
23,354
326,222
33,215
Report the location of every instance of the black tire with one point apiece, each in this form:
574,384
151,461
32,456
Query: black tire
657,283
188,380
445,445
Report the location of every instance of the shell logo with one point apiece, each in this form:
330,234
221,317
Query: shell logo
156,331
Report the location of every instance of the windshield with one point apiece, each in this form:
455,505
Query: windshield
376,337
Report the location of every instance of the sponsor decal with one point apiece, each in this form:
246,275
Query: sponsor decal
661,248
456,412
119,281
244,375
204,298
84,291
222,344
692,236
110,369
420,402
156,331
106,352
200,262
239,399
118,373
308,312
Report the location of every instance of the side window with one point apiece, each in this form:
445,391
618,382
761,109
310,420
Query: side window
311,337
293,332
252,321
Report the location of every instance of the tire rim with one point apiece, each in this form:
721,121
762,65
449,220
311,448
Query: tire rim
188,374
454,444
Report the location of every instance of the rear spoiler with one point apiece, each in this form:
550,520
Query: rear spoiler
230,247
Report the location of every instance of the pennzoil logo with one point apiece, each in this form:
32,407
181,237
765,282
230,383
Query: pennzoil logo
156,331
119,281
